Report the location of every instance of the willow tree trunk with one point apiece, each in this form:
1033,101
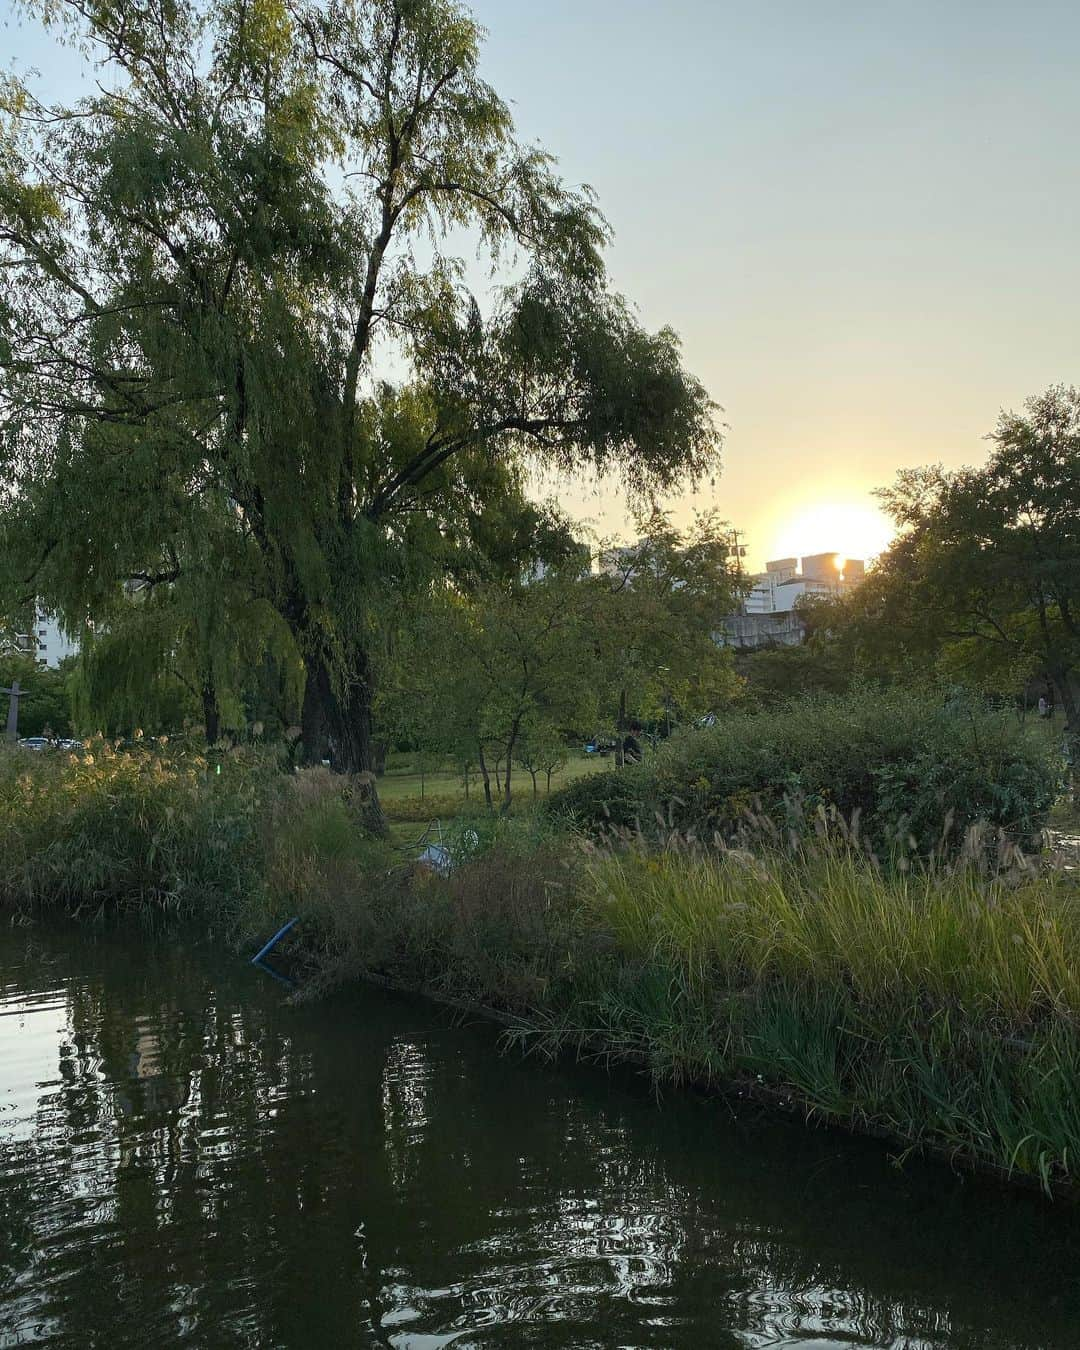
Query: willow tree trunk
211,713
314,738
337,720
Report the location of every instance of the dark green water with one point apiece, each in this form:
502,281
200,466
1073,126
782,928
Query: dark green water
187,1160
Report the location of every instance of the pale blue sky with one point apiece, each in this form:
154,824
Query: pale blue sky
863,219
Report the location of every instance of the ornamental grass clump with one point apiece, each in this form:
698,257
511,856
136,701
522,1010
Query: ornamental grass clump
148,826
940,1006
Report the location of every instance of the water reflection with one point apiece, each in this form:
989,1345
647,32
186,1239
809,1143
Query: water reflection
186,1160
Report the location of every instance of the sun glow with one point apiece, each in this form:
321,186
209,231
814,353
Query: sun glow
852,529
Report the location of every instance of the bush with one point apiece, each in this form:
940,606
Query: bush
616,798
907,770
147,825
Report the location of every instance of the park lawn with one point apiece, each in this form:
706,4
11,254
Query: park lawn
445,784
409,814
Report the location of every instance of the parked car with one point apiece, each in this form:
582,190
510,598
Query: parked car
35,743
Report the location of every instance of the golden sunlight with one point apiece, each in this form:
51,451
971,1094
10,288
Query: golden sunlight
852,529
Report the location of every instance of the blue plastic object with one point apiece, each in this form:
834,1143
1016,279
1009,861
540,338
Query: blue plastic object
257,959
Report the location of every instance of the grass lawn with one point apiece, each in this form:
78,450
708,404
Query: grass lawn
408,813
402,780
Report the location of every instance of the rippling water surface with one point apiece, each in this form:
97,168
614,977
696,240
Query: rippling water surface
185,1159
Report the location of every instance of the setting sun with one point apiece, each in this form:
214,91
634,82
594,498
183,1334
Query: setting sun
852,529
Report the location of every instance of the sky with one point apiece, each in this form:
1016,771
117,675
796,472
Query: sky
862,220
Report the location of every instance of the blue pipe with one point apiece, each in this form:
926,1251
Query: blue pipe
257,959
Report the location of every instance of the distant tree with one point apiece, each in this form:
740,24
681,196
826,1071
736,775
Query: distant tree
661,602
483,667
815,667
45,709
986,573
542,750
526,653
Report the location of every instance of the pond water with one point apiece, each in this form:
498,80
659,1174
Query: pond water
187,1159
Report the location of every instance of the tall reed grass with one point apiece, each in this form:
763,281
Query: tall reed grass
148,827
938,1006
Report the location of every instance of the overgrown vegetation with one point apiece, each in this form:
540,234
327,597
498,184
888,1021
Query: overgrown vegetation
911,773
937,1006
936,1003
147,826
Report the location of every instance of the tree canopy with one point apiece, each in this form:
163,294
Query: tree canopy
982,584
212,264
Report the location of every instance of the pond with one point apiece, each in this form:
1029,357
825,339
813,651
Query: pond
187,1159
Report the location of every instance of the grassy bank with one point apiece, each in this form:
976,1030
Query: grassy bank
938,1008
938,1004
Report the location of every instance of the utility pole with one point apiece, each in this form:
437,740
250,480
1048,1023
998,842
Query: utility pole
14,693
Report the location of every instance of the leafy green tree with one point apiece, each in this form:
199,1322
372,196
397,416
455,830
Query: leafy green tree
993,553
542,750
45,708
662,601
816,667
523,654
204,263
982,585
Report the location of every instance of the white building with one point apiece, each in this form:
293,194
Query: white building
787,580
769,616
49,642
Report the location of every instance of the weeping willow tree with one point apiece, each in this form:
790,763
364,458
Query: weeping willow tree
209,261
166,658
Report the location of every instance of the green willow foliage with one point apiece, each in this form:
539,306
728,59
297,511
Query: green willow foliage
208,262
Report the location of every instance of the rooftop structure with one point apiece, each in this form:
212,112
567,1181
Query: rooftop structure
787,580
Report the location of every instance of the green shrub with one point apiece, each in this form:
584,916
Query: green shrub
150,825
616,798
907,770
